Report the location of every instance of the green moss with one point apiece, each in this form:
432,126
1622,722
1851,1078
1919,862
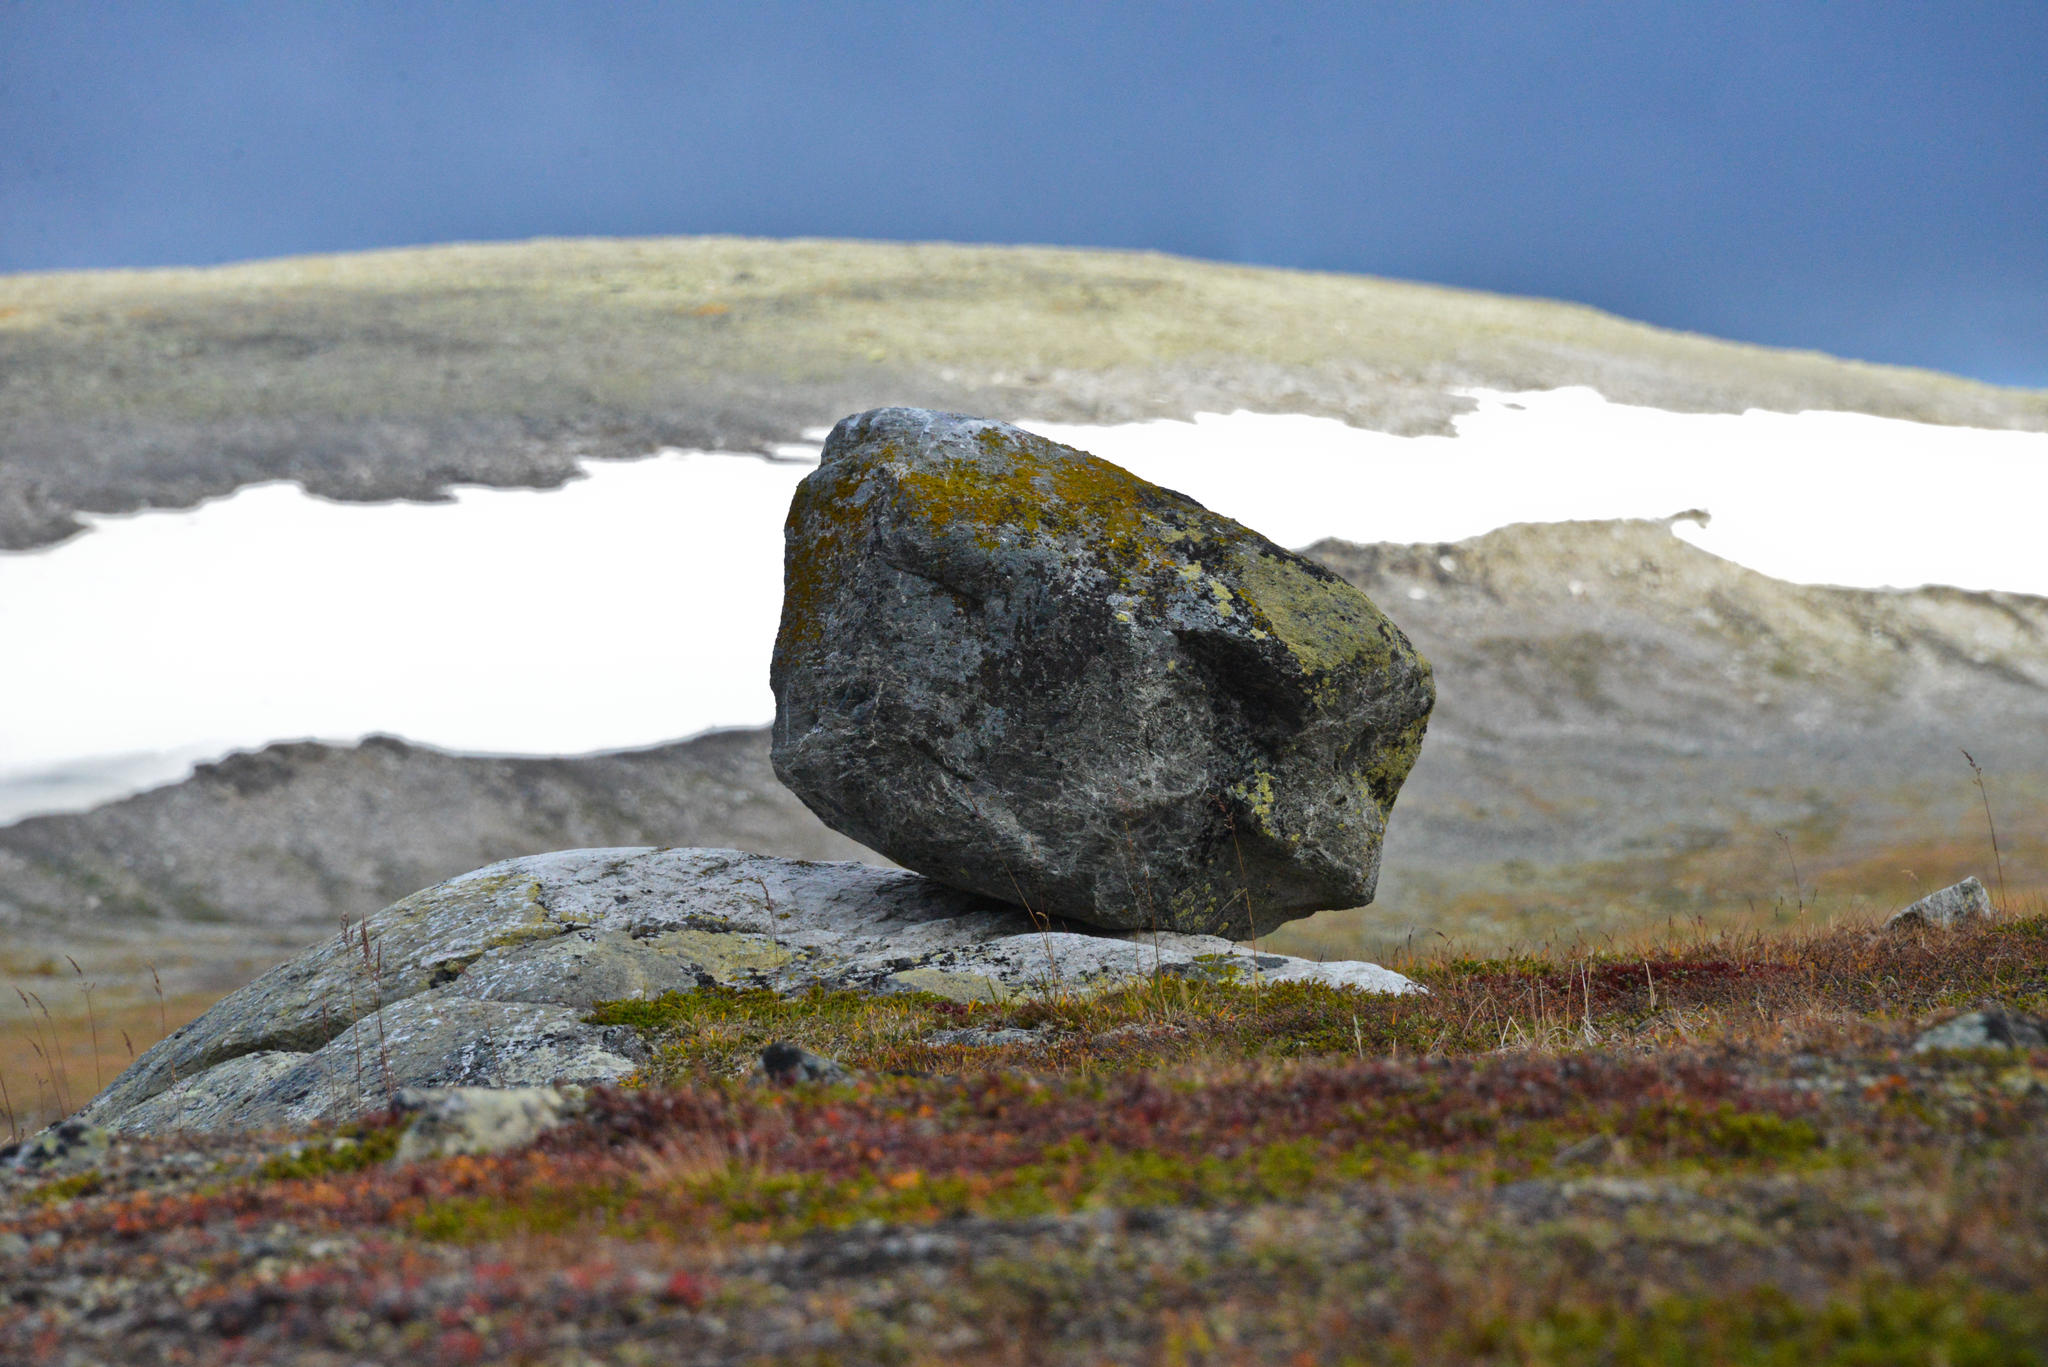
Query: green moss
67,1188
1215,1009
713,1032
539,1209
355,1148
1884,1322
677,1012
1725,1133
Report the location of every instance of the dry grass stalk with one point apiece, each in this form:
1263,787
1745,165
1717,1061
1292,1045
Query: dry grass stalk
92,1019
1997,859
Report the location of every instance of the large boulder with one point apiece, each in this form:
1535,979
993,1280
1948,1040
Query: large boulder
486,980
1030,674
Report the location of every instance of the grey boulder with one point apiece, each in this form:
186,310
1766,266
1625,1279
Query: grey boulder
1025,672
487,980
1954,905
788,1065
69,1144
1990,1027
455,1120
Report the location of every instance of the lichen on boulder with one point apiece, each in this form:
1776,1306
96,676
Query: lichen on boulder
1026,672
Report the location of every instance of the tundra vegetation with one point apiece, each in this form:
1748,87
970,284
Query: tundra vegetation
1720,1143
1706,1146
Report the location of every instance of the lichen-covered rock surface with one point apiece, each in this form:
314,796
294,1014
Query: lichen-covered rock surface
486,980
1026,672
1951,906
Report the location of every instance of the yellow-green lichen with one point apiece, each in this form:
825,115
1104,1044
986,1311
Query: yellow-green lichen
727,956
959,987
1325,625
1025,487
1384,777
821,520
1256,793
508,904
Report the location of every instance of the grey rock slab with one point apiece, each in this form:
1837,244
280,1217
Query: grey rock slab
1026,672
456,1120
68,1144
208,1101
591,966
1951,906
1991,1028
981,1037
434,1039
485,979
422,942
439,1040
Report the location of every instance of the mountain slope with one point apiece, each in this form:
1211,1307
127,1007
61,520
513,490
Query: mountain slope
393,374
1630,728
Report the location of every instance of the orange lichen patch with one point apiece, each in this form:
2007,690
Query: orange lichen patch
1032,489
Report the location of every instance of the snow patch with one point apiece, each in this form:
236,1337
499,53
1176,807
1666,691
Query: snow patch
639,603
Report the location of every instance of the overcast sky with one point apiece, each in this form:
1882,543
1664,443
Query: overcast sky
1866,179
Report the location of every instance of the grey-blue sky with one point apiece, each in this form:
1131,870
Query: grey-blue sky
1870,180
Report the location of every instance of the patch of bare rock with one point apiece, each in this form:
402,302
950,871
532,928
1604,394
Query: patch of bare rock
1111,731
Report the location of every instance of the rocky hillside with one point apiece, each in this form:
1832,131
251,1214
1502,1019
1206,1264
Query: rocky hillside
1631,729
287,841
1628,730
392,374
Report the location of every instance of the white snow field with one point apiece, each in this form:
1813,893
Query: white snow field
639,604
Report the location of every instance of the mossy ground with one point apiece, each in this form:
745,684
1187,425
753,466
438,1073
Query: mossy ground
357,1146
1717,1151
1846,981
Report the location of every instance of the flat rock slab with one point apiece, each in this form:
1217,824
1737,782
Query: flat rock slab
1028,673
485,980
